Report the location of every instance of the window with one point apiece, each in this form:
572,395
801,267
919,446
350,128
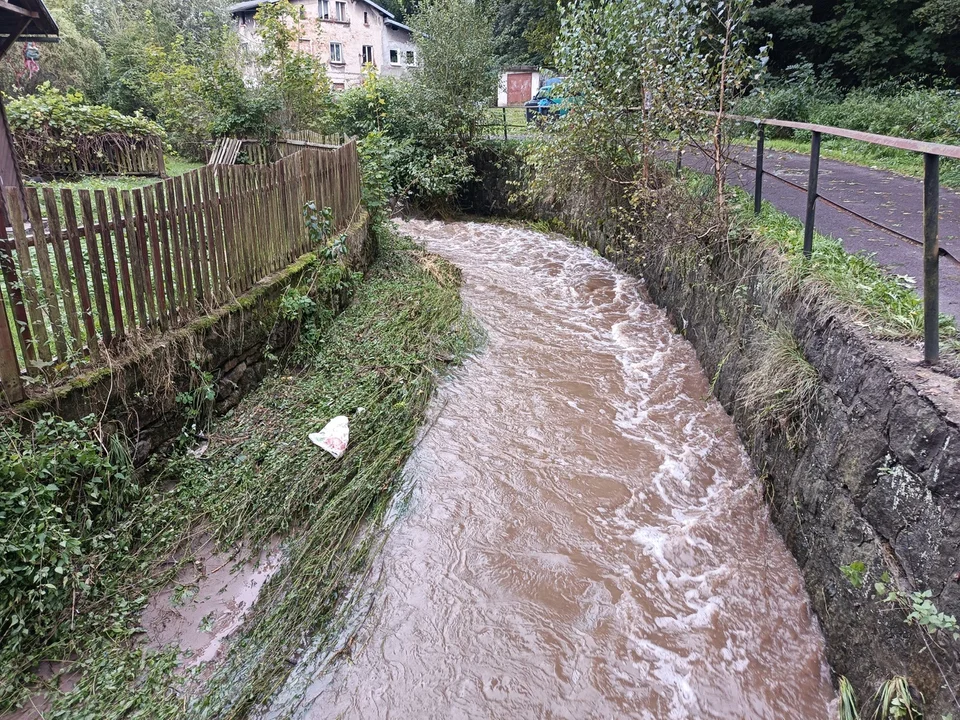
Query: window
323,9
411,58
336,53
368,54
341,12
339,86
394,57
366,18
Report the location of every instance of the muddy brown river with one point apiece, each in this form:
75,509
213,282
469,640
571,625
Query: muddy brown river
586,537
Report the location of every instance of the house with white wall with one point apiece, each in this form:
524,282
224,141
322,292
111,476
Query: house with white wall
346,35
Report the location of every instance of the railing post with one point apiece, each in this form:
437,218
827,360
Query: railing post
758,183
505,136
931,258
679,160
812,195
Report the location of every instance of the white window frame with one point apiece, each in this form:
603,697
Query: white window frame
341,8
363,55
410,58
336,53
394,57
323,9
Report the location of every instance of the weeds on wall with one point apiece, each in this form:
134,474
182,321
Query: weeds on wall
936,629
781,387
895,701
328,283
847,709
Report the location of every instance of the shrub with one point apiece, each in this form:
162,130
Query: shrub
61,495
404,149
912,111
50,124
798,97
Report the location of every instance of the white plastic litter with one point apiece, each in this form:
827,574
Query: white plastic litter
334,436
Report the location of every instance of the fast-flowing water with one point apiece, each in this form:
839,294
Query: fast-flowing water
586,537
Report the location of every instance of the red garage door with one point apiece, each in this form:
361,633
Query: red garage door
519,88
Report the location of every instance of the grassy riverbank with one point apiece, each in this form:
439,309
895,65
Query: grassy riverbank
261,481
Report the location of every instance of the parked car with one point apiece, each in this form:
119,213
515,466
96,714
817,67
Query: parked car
547,101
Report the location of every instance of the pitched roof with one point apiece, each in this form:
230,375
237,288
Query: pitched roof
254,4
400,25
40,28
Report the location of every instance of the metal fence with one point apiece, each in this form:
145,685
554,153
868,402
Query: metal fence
932,152
86,272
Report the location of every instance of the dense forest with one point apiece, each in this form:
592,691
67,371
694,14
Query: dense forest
857,42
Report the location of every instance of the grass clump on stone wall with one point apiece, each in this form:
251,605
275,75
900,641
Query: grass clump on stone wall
781,386
261,481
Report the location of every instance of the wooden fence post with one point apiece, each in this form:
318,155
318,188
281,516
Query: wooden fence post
9,367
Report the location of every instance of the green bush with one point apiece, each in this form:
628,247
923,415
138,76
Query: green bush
61,496
405,150
914,112
798,97
67,117
50,126
917,113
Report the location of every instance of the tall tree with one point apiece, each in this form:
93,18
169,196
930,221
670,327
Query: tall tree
863,42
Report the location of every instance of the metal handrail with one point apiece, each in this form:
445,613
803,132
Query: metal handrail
920,146
932,152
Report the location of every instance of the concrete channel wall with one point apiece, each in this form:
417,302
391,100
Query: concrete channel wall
225,353
876,479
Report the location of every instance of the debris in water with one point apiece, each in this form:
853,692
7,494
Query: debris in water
334,436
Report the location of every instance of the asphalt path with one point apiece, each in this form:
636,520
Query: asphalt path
889,199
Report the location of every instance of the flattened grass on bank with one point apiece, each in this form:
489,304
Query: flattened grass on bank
262,479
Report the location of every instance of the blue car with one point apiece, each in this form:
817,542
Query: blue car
547,101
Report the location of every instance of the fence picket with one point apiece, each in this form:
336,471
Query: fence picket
80,271
96,268
190,280
214,212
235,273
27,280
143,251
156,262
163,226
119,229
207,268
113,284
63,269
11,280
169,202
136,260
46,273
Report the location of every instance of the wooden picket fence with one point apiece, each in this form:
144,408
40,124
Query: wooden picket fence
87,272
112,154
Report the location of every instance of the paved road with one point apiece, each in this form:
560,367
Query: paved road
887,198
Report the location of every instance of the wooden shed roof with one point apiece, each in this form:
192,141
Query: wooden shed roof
41,26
